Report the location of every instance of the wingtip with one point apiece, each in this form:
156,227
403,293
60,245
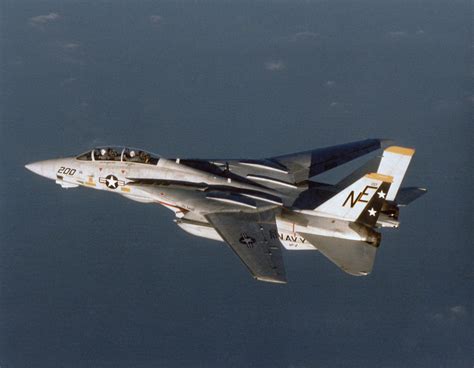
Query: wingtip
271,279
423,191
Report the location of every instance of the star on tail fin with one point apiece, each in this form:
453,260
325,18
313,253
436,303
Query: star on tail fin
371,212
351,203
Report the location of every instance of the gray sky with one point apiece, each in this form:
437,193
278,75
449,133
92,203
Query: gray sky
93,280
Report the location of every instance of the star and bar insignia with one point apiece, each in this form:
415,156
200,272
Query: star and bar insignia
246,240
111,181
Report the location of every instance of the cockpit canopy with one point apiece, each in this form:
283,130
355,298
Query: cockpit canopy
122,154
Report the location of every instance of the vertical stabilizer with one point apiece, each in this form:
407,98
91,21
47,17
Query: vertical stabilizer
394,162
351,203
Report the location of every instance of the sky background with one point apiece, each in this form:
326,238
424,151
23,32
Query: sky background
89,279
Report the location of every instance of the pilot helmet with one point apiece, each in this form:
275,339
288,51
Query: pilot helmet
103,151
132,153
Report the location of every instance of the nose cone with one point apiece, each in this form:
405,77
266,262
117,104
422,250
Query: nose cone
34,167
46,168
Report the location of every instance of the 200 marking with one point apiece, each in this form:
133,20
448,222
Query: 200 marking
66,171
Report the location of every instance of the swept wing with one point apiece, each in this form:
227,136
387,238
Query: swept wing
287,171
306,164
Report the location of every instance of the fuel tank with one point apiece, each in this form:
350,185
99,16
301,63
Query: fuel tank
201,229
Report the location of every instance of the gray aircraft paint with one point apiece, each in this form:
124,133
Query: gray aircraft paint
105,72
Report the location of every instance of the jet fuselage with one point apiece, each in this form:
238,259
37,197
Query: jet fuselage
256,205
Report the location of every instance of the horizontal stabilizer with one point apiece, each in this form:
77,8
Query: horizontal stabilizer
353,257
407,195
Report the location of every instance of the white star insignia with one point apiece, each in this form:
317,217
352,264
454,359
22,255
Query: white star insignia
372,212
112,182
382,194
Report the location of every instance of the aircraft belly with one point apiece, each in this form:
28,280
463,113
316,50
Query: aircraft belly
291,238
136,198
66,184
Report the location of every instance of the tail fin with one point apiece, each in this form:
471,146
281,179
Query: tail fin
394,162
358,201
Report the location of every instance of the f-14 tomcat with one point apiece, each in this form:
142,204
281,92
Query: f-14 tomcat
259,206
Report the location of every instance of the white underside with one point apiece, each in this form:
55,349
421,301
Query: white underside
203,231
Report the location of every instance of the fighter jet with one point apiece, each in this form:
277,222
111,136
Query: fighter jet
260,206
